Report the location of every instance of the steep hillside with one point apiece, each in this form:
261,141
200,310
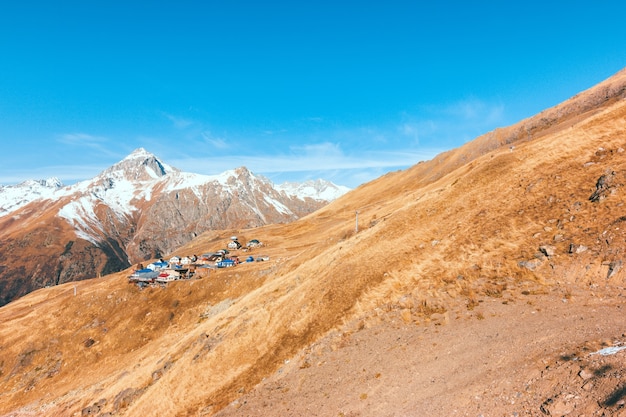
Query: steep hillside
480,282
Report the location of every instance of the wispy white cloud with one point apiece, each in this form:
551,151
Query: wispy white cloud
317,150
412,131
324,160
475,110
98,144
452,124
472,111
81,139
269,132
322,157
178,122
214,142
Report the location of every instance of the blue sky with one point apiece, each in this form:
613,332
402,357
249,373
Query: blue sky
345,91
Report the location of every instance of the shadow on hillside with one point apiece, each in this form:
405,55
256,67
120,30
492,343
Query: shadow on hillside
615,397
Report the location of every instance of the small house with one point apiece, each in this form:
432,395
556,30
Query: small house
253,243
157,266
234,244
211,257
226,263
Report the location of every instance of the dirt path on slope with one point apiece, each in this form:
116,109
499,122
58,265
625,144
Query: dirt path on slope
533,356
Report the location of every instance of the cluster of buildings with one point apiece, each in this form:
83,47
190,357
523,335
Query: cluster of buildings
188,266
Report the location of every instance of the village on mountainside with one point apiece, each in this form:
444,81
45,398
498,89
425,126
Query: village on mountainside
161,272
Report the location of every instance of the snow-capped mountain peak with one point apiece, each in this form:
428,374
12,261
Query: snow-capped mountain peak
52,182
13,197
140,165
316,189
141,176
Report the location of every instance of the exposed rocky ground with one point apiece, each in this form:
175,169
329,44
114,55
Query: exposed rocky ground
515,355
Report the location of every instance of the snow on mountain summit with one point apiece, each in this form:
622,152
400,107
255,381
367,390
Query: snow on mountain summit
316,189
13,197
140,165
139,177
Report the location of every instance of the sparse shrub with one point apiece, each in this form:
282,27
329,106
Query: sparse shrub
347,234
494,289
472,299
428,309
472,303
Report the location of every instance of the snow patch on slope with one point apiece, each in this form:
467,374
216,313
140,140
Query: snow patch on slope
80,214
280,207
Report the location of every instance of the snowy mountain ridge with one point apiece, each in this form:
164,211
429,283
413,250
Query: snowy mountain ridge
316,189
12,197
137,176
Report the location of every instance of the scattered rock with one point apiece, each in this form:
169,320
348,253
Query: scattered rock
125,398
94,409
614,267
603,187
585,374
574,248
556,407
547,250
531,265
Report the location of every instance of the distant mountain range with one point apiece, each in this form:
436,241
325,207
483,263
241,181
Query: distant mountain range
138,209
12,197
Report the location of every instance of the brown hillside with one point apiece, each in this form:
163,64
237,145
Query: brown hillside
478,283
39,249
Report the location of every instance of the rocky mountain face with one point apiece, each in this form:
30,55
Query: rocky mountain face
138,209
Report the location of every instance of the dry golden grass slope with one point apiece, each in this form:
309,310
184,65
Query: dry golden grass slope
477,284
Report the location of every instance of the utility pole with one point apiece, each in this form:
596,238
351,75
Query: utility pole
356,226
